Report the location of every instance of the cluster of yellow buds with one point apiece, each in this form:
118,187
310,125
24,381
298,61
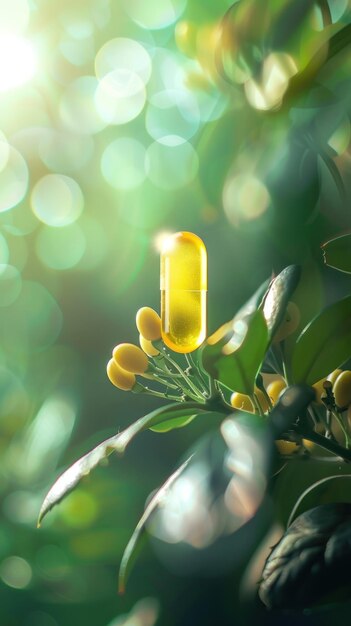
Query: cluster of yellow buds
152,361
128,360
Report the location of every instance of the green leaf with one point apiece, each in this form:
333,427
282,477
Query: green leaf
235,352
237,363
337,253
324,344
153,504
177,422
278,295
311,560
117,443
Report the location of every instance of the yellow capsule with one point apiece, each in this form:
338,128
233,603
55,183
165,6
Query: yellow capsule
147,346
130,358
183,292
148,323
119,377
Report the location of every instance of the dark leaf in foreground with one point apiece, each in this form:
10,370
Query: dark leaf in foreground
155,501
117,443
311,561
216,512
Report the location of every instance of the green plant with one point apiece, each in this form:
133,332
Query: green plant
238,359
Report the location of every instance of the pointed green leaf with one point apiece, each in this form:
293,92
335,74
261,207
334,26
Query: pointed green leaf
278,295
118,443
235,352
153,504
324,344
177,422
337,253
237,363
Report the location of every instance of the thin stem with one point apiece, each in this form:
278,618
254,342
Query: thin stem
193,367
338,418
159,394
286,372
310,489
198,369
256,404
195,390
212,387
180,377
165,382
312,416
327,444
274,361
269,401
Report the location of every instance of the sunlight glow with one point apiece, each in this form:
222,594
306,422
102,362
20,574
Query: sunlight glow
18,62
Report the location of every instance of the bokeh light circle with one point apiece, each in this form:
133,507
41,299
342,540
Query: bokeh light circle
10,284
154,15
61,249
18,62
245,198
123,54
123,163
15,572
77,108
57,200
77,51
172,112
172,163
65,151
120,97
13,178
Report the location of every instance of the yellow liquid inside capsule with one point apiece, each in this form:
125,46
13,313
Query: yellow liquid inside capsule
183,292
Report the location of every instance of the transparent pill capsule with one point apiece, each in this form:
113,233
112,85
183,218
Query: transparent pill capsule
183,292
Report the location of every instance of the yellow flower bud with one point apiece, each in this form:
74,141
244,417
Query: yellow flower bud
130,358
342,389
244,402
275,388
147,346
333,376
148,323
119,377
289,324
286,447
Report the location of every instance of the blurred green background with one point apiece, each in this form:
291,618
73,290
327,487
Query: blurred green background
119,123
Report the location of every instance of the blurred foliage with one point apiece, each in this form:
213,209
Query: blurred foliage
121,121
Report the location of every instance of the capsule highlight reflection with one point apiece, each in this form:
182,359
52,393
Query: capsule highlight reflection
183,292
